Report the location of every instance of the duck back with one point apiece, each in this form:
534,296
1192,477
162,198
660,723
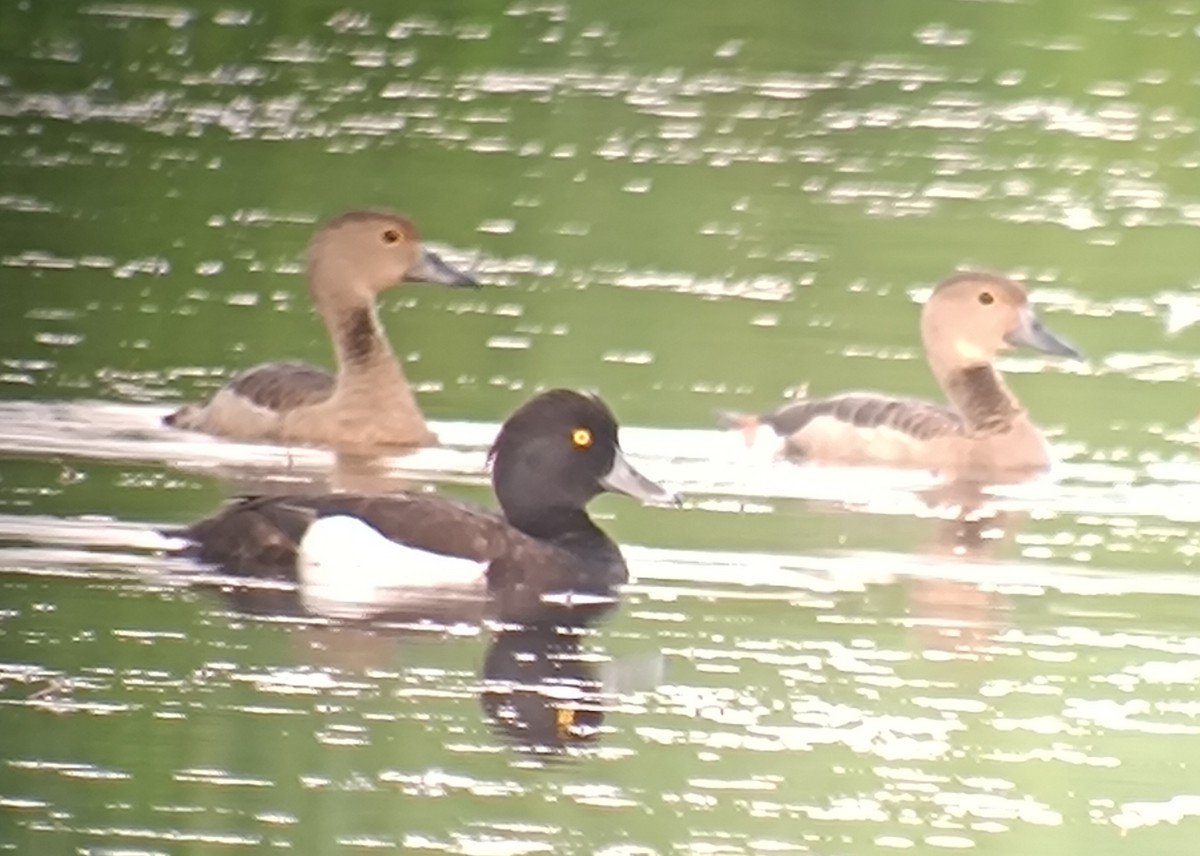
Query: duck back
259,537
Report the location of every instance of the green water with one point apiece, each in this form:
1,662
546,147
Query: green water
684,206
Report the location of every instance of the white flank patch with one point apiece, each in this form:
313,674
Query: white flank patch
349,569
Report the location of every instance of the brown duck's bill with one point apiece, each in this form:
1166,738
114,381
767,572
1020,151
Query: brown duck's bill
623,478
1031,333
431,268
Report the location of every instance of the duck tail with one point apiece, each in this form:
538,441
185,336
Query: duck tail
175,419
176,533
747,423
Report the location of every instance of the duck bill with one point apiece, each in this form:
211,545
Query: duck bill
623,478
431,268
1031,333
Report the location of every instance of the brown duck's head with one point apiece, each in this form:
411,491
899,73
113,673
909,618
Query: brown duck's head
971,317
375,250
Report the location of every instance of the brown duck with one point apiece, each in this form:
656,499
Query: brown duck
369,402
983,435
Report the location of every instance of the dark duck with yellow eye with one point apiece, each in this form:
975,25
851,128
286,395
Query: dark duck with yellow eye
985,435
369,402
359,556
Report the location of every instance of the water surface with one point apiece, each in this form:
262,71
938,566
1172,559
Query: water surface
685,208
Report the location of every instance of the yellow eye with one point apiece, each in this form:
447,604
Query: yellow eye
564,720
581,437
986,298
391,236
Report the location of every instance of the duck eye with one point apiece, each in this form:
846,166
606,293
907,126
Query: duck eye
564,721
986,298
582,438
391,236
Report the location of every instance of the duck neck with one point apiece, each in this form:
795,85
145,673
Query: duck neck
358,341
548,524
981,398
366,364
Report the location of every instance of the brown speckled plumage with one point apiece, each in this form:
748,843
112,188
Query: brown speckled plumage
918,419
284,386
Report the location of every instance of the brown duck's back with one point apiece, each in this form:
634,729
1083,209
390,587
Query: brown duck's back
867,429
859,411
284,385
863,429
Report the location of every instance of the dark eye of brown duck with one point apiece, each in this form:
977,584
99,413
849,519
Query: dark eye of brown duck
391,236
581,438
986,298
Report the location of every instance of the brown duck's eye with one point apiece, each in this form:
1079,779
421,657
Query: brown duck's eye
582,438
986,298
391,236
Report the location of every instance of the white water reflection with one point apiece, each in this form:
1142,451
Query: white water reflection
833,661
706,465
771,664
95,547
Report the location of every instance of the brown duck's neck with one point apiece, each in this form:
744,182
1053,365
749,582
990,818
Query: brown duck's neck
347,307
358,339
980,396
367,366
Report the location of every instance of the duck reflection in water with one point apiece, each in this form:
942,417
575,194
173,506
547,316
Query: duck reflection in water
955,614
314,472
541,690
